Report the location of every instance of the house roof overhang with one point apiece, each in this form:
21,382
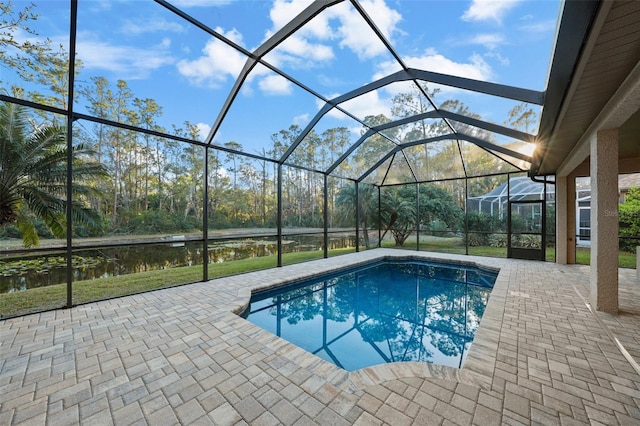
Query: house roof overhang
594,84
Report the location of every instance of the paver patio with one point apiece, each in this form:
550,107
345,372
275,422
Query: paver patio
181,356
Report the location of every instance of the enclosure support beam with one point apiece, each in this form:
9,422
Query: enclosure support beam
282,34
69,186
494,89
571,218
562,205
325,212
417,216
379,219
466,215
508,214
543,214
357,200
604,221
279,215
205,219
565,219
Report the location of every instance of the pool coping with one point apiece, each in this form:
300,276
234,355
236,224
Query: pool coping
477,370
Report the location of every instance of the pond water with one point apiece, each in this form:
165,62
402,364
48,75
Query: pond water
22,273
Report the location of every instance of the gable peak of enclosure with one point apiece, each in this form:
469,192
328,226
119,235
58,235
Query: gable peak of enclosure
427,118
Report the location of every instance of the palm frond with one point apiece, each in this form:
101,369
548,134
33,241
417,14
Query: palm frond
34,175
27,229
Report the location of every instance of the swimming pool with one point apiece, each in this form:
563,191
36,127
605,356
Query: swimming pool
385,311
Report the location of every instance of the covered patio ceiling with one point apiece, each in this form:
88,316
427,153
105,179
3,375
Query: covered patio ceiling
598,89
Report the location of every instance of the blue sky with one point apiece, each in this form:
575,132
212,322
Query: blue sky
190,74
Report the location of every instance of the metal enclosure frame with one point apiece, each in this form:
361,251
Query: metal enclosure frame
558,77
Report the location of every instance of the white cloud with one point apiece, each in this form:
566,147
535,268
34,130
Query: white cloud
340,23
150,26
275,85
299,49
200,3
386,19
490,41
307,48
128,62
301,120
357,35
488,10
368,104
203,130
218,62
100,5
498,57
539,27
476,68
283,11
304,48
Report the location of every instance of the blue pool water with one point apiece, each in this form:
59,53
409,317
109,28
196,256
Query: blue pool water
388,311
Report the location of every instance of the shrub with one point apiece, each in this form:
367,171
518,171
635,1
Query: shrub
438,226
9,231
483,222
475,239
525,241
498,240
629,217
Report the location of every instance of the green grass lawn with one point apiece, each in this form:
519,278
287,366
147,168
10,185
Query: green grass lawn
455,245
55,296
625,258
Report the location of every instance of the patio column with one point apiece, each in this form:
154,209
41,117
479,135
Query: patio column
565,219
604,221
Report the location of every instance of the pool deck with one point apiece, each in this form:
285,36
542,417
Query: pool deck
181,356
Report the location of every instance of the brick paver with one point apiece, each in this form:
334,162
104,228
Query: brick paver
181,356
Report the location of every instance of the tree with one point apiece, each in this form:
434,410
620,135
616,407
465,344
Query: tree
16,55
51,70
148,110
34,61
413,103
119,110
629,218
33,174
367,203
188,185
522,117
371,150
438,205
398,212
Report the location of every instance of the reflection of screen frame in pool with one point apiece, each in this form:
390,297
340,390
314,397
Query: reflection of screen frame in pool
316,315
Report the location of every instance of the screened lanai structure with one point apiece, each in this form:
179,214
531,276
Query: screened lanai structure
198,135
496,201
163,162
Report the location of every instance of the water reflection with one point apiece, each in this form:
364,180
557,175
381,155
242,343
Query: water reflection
388,312
31,271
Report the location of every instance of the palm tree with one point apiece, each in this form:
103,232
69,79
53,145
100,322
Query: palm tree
399,213
367,206
33,174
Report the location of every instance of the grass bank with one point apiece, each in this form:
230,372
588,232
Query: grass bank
55,296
